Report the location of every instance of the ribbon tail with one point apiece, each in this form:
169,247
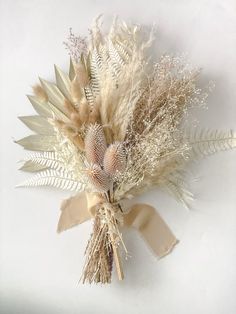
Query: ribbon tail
152,228
73,212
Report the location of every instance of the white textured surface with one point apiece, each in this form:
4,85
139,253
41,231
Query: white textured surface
39,269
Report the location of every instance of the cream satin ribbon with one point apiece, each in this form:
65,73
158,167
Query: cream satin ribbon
142,217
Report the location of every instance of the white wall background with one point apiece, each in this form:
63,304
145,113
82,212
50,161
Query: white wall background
40,269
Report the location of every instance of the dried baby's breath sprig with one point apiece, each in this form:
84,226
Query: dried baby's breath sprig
95,144
75,45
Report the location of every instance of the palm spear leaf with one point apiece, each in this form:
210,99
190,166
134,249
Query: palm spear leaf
63,82
54,95
58,179
38,124
40,107
71,70
38,142
206,142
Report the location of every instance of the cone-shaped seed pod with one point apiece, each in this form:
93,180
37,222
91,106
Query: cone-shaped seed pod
95,144
114,159
98,178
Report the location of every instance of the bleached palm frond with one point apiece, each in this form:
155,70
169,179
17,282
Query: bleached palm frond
71,70
63,82
207,142
38,124
38,142
58,179
55,96
40,107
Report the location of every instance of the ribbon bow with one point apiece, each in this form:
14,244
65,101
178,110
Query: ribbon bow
144,218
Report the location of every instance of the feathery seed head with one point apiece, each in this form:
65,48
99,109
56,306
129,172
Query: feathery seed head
82,75
40,93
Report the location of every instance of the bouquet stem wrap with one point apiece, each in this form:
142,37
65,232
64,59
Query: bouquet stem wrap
144,218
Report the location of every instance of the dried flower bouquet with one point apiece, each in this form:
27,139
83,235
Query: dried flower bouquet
112,128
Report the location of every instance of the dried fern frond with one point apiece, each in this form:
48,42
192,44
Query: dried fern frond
207,142
50,160
30,166
58,179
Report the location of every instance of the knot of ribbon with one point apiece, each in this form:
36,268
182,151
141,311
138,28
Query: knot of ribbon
144,218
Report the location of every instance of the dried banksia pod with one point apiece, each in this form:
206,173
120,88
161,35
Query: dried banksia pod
95,144
98,178
82,74
40,93
114,159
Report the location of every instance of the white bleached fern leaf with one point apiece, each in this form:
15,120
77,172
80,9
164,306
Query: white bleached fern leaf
58,179
207,142
50,160
176,186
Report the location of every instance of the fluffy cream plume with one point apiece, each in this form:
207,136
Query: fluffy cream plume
76,91
82,74
115,159
95,144
40,93
98,178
